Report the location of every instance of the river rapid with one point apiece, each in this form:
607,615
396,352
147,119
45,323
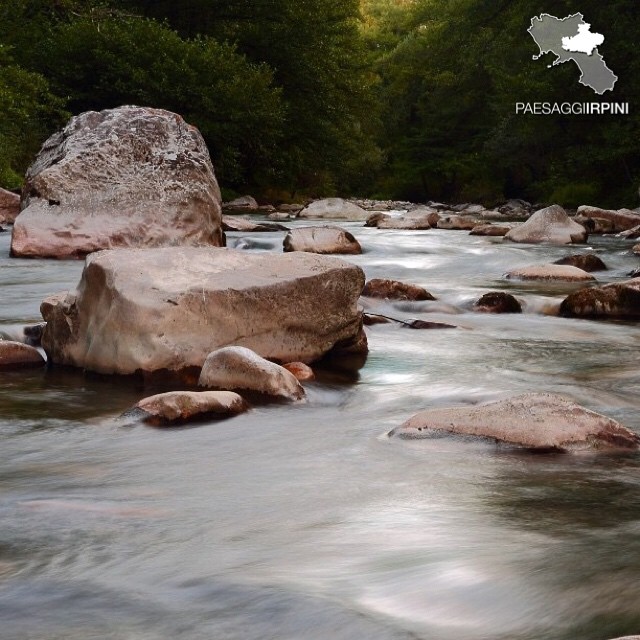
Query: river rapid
305,522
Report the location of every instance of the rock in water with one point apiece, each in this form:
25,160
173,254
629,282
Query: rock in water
323,240
334,209
457,223
240,368
302,372
617,300
148,310
16,355
235,223
551,272
534,421
179,407
394,290
551,225
498,302
587,262
622,219
9,206
241,205
126,177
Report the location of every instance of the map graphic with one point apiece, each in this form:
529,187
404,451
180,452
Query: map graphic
569,39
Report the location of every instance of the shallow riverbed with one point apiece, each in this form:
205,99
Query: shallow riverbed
306,522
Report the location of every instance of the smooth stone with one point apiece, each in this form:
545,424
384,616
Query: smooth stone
322,240
290,208
551,225
491,230
230,223
564,273
423,324
622,219
618,300
498,302
457,223
587,262
179,407
279,216
151,310
9,206
242,204
631,234
240,368
17,355
126,177
334,209
542,421
394,290
596,226
302,372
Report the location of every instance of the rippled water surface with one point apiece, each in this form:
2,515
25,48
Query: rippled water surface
305,522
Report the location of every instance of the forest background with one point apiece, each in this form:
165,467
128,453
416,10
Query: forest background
404,99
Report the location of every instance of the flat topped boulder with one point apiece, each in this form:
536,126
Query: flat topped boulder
150,310
323,240
618,300
126,177
551,225
551,272
532,421
334,209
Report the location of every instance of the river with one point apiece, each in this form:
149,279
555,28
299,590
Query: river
305,522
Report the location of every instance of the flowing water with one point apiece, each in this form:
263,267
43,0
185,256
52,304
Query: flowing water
306,522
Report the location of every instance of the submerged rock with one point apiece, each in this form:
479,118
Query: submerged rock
149,310
394,290
179,407
587,262
240,368
551,225
322,240
498,302
622,219
9,206
334,209
557,272
127,177
617,300
541,421
17,355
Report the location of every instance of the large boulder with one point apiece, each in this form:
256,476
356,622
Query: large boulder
150,310
334,209
233,368
617,300
9,206
126,177
541,421
323,240
564,273
16,355
179,407
551,225
622,219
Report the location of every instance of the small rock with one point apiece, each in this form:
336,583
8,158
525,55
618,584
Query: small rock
540,421
550,272
394,290
230,223
636,249
617,300
551,225
266,209
9,206
457,223
16,355
33,334
279,216
634,274
242,204
290,208
322,240
587,262
492,230
372,319
179,407
498,302
630,234
423,324
233,368
302,372
334,209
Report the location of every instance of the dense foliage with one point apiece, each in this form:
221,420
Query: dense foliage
398,98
